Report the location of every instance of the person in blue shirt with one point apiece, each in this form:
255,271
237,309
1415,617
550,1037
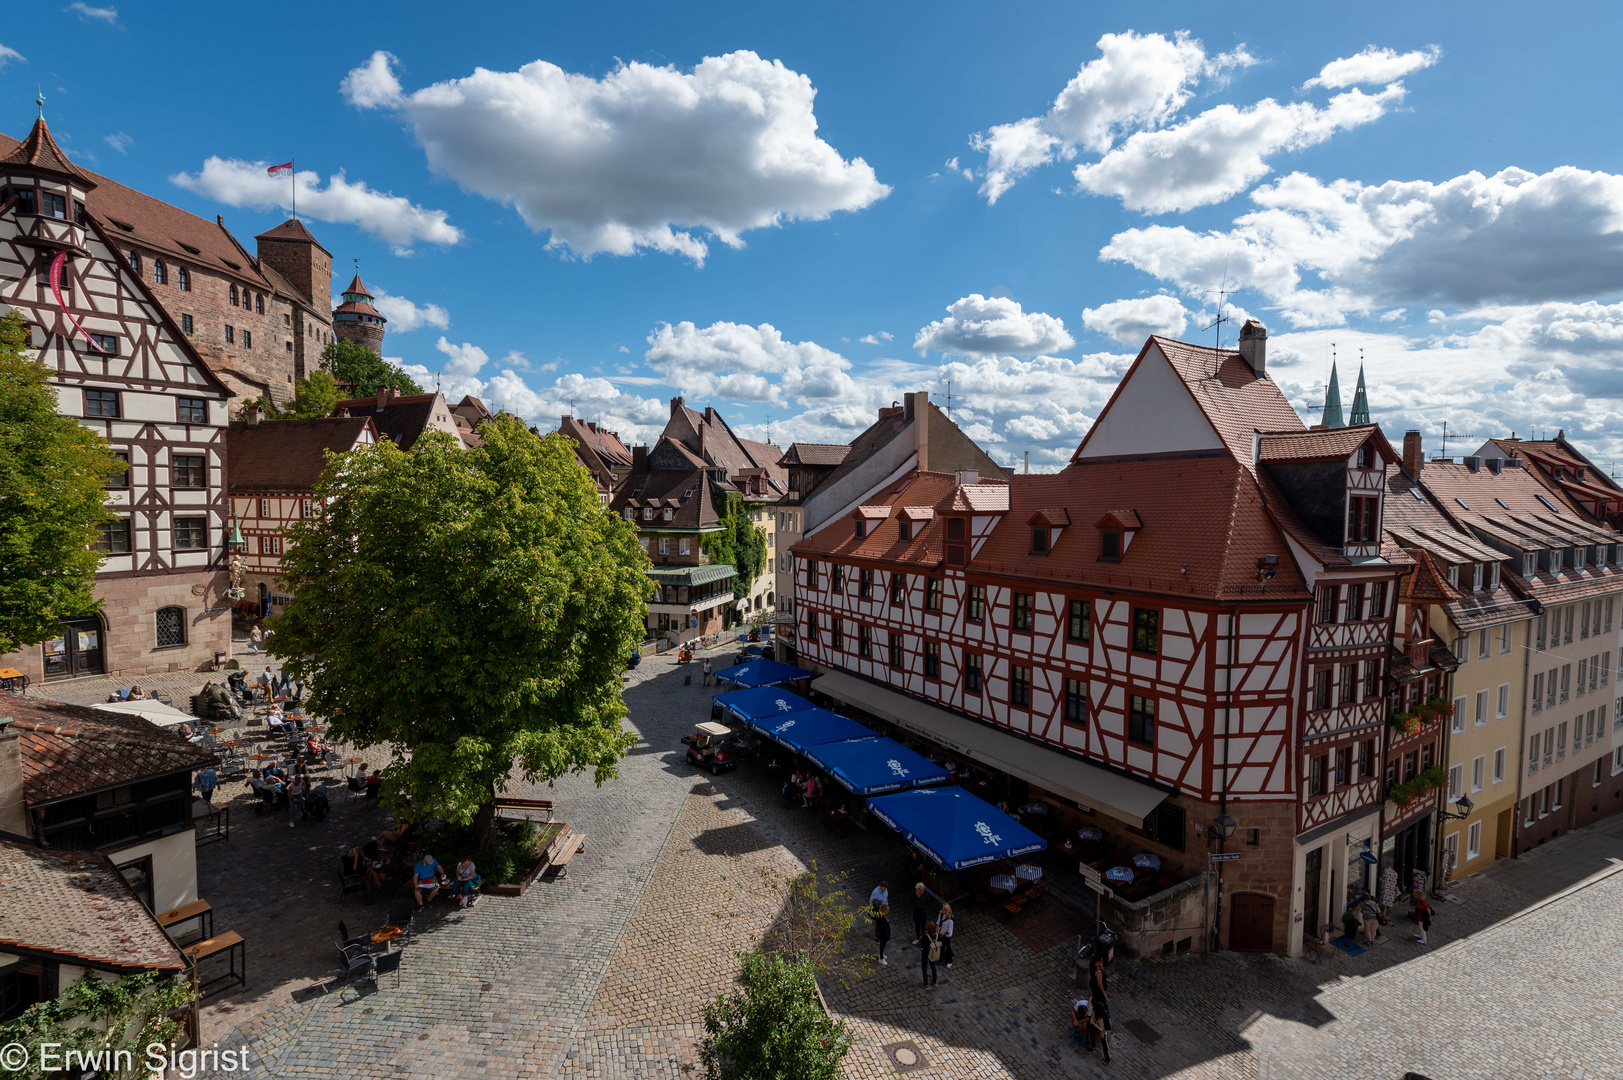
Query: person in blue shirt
207,781
426,877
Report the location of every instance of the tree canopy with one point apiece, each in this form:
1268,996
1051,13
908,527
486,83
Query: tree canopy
53,478
740,543
473,609
364,369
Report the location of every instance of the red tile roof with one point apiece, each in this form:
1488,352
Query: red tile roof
815,453
73,750
39,151
77,906
293,230
1205,528
356,285
1328,444
402,421
288,455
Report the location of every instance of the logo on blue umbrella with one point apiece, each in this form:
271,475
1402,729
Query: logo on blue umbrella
783,706
986,832
896,767
785,726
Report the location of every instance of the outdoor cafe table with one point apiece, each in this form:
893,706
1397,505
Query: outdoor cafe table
1028,872
387,934
1146,861
1088,832
1003,882
1068,846
1120,874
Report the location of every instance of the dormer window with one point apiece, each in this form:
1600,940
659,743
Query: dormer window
1476,577
648,513
957,554
1039,540
1366,457
668,514
862,526
1493,575
906,529
1529,564
630,514
1110,545
1362,513
1578,558
1454,576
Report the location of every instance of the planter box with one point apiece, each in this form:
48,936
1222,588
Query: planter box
547,844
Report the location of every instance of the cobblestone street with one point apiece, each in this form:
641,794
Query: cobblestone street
603,974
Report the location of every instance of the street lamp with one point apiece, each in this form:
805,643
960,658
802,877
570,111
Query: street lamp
1465,805
1224,826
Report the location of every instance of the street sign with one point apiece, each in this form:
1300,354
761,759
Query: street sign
1227,856
1089,874
1101,888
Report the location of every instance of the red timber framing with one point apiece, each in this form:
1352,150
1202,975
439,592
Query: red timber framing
139,383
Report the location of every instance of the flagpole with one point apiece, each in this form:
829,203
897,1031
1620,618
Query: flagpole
293,175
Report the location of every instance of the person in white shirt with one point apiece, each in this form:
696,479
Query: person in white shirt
880,894
943,924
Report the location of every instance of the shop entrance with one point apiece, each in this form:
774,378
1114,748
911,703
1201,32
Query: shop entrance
1251,926
1314,870
77,652
1411,851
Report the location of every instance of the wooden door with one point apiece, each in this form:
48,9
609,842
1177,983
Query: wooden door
1251,923
1312,918
1501,846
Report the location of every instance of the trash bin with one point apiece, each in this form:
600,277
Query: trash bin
219,660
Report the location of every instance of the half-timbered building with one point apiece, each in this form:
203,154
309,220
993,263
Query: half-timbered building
274,468
122,367
1182,635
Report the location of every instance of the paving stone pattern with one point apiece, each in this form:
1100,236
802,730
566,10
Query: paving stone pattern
603,975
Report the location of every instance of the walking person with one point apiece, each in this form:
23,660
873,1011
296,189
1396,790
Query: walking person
256,638
1422,912
920,913
879,911
207,781
944,927
1101,1002
1370,912
929,955
295,799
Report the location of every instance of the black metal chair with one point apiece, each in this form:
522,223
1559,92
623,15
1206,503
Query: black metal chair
364,941
353,959
401,910
349,882
383,963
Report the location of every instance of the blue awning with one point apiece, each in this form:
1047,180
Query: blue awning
810,727
761,702
763,672
955,828
875,766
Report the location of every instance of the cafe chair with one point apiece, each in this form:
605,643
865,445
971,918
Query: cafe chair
363,942
353,959
383,964
401,910
349,883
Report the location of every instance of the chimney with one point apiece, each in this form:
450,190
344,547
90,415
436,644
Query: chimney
13,809
639,458
1254,347
1028,461
918,407
383,398
1413,460
1496,465
252,414
676,404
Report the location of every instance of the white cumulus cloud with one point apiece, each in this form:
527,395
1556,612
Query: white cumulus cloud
645,158
86,13
1318,251
1374,67
983,326
739,362
119,141
878,337
405,315
1220,152
8,54
392,218
1129,322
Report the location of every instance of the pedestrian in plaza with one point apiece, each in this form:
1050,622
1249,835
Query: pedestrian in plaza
256,638
1082,1021
1370,912
920,912
207,780
264,681
705,667
1422,913
1100,1001
929,955
295,799
880,894
467,882
944,926
879,911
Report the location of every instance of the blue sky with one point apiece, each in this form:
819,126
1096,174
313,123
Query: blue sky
591,208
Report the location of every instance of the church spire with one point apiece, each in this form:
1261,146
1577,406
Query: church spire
1360,405
1332,401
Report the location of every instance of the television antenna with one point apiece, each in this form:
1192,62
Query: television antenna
1217,323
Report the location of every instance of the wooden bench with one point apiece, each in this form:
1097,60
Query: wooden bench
200,910
573,845
232,945
543,806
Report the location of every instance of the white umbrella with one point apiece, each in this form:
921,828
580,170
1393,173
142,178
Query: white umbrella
155,711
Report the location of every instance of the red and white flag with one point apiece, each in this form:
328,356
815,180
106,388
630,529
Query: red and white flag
281,170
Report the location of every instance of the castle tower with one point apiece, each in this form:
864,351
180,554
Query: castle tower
1332,401
357,320
293,252
1360,405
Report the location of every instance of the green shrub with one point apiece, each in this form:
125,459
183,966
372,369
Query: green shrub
774,1028
509,854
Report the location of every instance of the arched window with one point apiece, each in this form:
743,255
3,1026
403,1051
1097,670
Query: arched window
171,627
135,261
259,304
160,274
233,296
184,279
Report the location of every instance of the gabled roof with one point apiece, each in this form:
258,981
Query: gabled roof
1331,444
686,491
75,905
39,151
815,454
72,750
1429,582
289,455
1120,519
401,421
292,230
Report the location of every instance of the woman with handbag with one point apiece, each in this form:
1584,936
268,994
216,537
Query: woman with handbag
929,955
944,926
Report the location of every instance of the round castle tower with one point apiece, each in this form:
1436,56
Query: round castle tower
357,320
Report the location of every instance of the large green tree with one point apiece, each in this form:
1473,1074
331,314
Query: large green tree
472,609
364,370
53,478
740,543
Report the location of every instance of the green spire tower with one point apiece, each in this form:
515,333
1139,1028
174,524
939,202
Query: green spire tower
1360,405
1332,401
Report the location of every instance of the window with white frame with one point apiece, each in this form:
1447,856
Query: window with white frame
1481,707
1479,770
1529,564
1493,575
1459,715
1538,693
1482,644
1499,765
1583,676
1454,575
664,545
1503,709
1504,639
1456,781
1473,840
1617,761
682,546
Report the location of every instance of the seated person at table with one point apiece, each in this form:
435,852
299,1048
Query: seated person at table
274,771
274,719
466,886
314,745
137,694
374,783
793,785
390,839
263,790
425,877
354,861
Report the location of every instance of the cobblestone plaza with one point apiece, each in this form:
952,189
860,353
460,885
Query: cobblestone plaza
603,973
